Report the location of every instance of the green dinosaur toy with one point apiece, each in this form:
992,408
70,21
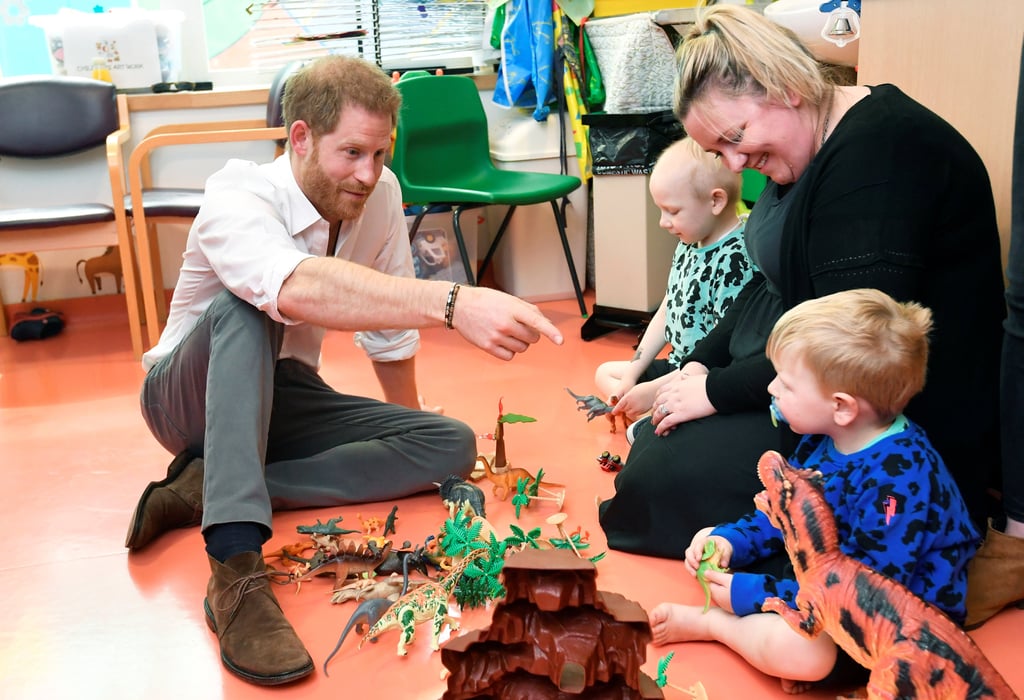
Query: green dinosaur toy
429,602
708,560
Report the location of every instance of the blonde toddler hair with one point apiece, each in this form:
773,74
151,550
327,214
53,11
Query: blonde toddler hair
861,342
696,168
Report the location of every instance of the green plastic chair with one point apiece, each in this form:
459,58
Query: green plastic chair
753,183
442,157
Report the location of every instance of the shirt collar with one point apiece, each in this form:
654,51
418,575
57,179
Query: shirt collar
301,214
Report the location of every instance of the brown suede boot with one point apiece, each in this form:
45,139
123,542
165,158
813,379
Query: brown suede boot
176,501
257,643
995,577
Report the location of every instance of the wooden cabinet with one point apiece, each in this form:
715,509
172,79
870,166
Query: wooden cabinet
962,60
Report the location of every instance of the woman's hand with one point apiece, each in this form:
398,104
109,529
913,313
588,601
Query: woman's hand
683,399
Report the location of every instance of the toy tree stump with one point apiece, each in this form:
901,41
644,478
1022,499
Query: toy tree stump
554,636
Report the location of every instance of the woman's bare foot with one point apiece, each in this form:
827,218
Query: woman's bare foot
672,622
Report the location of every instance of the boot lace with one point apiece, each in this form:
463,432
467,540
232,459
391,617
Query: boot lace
236,591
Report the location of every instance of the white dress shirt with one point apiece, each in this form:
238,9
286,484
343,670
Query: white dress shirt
254,227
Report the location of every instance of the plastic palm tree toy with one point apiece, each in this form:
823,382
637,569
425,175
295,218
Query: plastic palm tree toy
521,539
506,478
521,499
462,537
695,691
528,490
500,462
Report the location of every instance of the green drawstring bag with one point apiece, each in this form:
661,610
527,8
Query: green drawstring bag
593,89
497,25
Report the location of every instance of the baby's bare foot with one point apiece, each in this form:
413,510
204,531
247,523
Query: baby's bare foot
671,622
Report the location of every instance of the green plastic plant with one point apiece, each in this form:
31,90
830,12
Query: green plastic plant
521,538
575,542
663,663
460,535
480,583
534,488
695,691
522,498
515,418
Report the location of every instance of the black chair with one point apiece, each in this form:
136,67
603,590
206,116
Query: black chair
51,123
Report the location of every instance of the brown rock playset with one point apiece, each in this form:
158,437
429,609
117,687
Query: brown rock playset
554,636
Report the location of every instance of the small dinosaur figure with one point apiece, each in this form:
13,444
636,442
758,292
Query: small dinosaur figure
912,649
459,494
368,588
403,560
290,552
613,400
508,480
328,528
391,588
389,522
708,561
345,558
371,524
591,404
369,612
428,602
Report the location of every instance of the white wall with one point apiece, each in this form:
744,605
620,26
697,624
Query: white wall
85,179
523,142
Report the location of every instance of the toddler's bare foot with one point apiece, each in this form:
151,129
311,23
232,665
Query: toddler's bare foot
672,622
795,687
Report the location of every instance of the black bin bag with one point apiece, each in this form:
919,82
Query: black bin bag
629,144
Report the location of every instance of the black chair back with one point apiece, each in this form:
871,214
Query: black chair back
46,116
275,110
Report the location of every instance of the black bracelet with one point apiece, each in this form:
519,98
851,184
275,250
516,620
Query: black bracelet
449,306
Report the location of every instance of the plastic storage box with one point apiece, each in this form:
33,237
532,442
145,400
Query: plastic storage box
435,251
142,47
530,262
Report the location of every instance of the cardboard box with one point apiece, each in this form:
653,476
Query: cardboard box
530,262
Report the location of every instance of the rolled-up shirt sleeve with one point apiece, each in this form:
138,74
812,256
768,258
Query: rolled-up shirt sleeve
388,346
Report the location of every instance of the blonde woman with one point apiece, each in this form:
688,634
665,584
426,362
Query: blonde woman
866,188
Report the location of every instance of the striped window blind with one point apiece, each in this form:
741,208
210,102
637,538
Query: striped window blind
395,34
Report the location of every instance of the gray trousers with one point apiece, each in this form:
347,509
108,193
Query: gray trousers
273,435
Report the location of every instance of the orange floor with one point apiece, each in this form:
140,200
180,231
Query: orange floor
82,619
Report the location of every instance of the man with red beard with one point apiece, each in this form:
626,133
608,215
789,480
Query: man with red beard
278,253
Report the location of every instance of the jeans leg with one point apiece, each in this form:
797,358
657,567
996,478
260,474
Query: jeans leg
213,397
